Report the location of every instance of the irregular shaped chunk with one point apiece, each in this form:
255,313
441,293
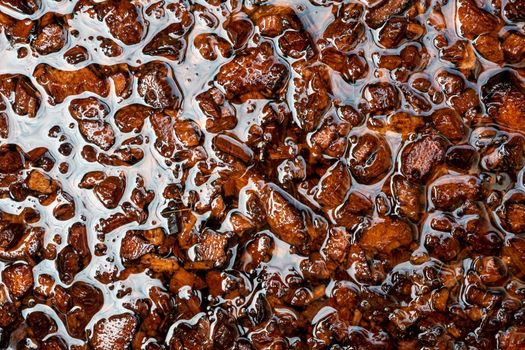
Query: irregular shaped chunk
4,124
509,156
90,114
19,240
110,190
65,208
192,335
134,246
296,44
98,132
51,38
405,123
515,10
239,30
78,239
418,102
60,84
132,117
504,97
83,301
492,270
233,147
21,93
489,48
163,127
512,338
253,73
258,250
210,45
344,34
420,157
377,15
27,7
451,84
472,20
408,197
329,140
40,183
122,19
393,32
76,55
514,253
109,47
386,235
114,333
461,157
512,213
11,159
69,263
221,115
461,54
380,98
311,95
41,324
514,47
448,122
466,102
352,67
8,313
333,186
274,20
442,245
337,244
370,159
168,43
18,279
211,250
283,215
188,132
355,208
157,85
451,191
90,108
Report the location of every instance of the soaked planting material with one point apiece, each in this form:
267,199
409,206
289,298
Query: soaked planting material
211,175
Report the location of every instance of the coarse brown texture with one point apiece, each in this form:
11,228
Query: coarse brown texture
252,175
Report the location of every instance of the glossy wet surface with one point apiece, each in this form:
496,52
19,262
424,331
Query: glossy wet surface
262,175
